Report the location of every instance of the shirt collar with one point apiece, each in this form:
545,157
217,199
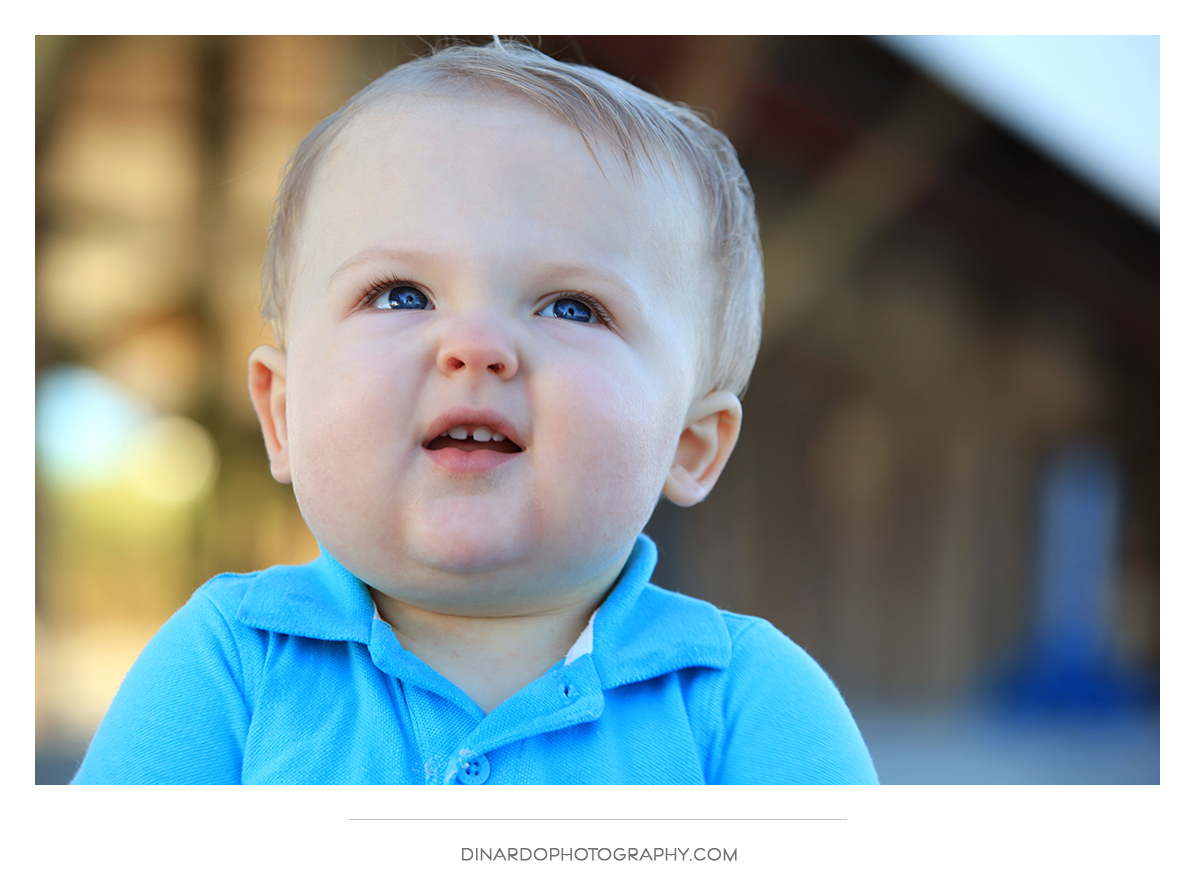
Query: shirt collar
639,632
321,600
642,631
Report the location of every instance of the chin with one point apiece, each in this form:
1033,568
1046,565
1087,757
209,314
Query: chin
466,554
509,567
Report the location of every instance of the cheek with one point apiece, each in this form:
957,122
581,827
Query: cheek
620,440
339,416
320,452
321,414
349,397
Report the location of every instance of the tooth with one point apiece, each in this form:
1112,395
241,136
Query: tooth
498,437
483,434
458,432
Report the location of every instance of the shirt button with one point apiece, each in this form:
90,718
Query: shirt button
472,770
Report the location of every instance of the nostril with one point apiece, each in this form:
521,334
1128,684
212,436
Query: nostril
452,362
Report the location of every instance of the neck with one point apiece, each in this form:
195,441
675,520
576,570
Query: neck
492,658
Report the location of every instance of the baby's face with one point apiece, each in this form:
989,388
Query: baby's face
492,350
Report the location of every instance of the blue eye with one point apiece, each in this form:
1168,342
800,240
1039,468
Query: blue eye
568,309
401,296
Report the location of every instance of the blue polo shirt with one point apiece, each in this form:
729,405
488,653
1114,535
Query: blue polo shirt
289,676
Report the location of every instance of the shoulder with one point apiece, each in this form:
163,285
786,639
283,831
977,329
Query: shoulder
207,632
784,720
227,592
739,644
223,594
219,626
760,650
320,600
182,710
214,609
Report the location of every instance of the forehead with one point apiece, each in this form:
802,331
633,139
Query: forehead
451,158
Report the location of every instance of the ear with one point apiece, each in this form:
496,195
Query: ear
711,431
267,389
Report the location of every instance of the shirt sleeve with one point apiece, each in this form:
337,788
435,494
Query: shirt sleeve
181,715
783,720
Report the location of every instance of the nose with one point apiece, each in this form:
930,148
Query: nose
478,346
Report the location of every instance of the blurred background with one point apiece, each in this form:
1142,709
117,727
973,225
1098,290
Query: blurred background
947,484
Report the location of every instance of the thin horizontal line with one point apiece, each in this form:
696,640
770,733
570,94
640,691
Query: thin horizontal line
590,819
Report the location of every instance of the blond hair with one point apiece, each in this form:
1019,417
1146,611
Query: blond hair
639,127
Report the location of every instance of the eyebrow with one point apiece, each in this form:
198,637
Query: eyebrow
567,270
372,255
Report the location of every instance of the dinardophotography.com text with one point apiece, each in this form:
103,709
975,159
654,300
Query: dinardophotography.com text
599,854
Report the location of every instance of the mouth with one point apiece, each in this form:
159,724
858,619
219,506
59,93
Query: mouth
473,431
479,438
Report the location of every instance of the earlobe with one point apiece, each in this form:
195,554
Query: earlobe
705,445
267,389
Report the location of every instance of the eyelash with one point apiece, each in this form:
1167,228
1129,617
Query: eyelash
379,286
597,308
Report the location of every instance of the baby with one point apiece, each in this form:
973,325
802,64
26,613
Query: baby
515,300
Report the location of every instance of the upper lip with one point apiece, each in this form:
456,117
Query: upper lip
471,418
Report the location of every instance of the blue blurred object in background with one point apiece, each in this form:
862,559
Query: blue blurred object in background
1071,660
85,422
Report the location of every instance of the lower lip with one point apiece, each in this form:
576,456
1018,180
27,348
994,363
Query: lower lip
454,460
